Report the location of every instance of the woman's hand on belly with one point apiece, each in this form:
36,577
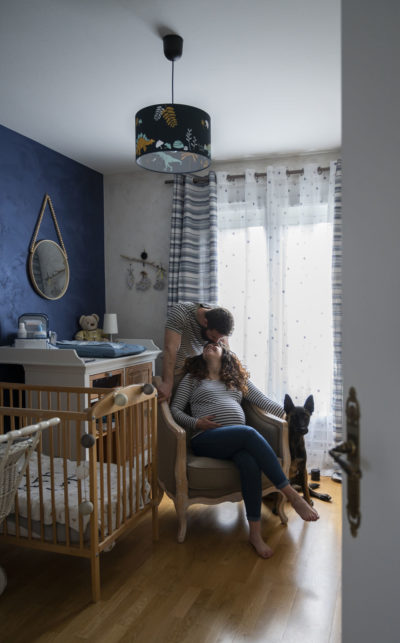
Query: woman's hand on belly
207,422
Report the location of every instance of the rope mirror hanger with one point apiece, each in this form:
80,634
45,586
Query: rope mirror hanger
48,260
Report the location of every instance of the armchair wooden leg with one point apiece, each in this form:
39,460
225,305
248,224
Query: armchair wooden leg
280,508
182,529
182,520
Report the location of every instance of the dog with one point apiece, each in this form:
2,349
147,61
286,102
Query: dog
298,418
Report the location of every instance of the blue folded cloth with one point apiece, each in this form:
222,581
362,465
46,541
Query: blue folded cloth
101,349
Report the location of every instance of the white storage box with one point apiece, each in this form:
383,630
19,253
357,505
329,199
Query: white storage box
31,343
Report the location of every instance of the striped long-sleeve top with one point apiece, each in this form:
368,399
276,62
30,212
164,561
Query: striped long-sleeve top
211,397
182,319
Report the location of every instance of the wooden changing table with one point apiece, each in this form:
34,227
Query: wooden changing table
63,367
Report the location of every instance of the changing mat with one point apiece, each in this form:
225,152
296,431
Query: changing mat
101,349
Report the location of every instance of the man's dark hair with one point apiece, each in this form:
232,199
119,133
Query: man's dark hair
220,319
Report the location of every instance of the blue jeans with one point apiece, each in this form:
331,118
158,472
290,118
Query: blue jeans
251,453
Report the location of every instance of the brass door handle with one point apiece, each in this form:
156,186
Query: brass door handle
350,448
351,464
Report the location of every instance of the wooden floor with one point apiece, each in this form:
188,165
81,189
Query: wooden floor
213,588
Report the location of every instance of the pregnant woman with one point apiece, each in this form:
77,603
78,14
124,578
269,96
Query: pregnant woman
213,388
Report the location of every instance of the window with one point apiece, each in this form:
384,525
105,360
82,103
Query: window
275,275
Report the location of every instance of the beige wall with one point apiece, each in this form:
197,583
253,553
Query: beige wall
137,213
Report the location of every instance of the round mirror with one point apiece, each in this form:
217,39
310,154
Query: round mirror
49,270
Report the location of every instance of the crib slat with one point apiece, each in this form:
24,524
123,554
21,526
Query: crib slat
28,501
94,532
109,454
20,402
120,474
12,424
100,433
53,503
79,462
28,394
137,458
148,443
142,451
65,473
124,462
131,457
40,480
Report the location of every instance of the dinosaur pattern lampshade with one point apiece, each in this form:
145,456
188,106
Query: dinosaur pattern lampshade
173,138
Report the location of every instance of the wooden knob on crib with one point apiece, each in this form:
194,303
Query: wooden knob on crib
85,508
87,440
147,389
120,399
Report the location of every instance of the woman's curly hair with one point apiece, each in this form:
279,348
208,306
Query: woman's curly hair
233,373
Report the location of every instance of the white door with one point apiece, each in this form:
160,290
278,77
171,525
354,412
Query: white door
371,307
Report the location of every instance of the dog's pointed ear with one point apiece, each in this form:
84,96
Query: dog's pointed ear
309,404
288,404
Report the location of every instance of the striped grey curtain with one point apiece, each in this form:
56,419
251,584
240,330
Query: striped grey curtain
337,398
193,263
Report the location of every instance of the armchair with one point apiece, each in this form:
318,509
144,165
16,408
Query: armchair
188,479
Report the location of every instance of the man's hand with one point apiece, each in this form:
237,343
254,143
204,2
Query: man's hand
164,391
205,423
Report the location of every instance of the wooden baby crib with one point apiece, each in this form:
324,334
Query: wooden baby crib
78,494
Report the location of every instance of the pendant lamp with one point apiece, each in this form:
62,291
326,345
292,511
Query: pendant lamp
170,137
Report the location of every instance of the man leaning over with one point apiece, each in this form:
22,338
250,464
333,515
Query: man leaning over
188,328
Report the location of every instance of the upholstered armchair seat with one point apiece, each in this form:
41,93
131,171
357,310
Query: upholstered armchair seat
188,479
213,477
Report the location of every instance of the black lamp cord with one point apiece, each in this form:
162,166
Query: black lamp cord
172,82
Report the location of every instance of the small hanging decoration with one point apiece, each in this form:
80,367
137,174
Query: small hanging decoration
144,283
130,280
160,280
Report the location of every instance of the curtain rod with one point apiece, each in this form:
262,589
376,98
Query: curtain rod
233,177
196,179
258,175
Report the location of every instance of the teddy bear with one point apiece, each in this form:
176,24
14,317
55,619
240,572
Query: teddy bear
89,332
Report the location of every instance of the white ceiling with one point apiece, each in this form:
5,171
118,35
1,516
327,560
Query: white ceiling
73,73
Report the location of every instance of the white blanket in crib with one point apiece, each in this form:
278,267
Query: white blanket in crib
110,480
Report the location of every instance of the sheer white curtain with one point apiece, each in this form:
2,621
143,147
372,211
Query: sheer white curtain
242,268
275,258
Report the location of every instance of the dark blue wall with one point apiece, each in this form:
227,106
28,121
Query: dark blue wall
28,171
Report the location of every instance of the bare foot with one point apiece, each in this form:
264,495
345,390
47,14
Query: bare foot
261,547
302,507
